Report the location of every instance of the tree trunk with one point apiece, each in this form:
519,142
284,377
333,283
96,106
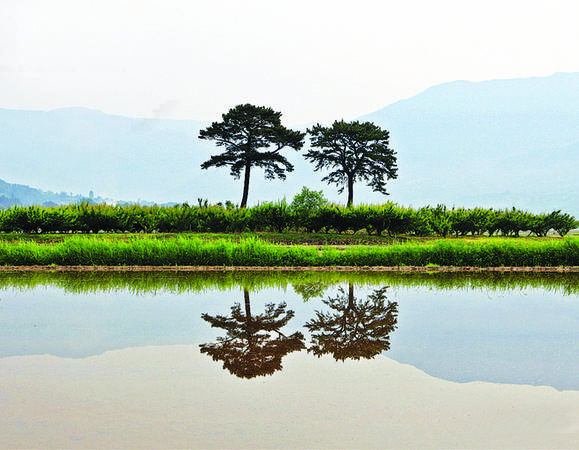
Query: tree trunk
350,192
351,296
247,305
245,185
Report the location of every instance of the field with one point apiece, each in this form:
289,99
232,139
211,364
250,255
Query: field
284,250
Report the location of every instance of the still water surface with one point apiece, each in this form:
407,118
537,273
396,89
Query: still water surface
290,360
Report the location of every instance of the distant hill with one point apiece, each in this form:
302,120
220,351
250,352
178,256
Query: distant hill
496,143
126,159
492,143
18,194
79,150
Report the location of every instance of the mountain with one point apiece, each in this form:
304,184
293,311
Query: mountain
22,195
126,159
77,149
491,143
498,143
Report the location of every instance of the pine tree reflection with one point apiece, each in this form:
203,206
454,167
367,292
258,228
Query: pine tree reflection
250,348
354,329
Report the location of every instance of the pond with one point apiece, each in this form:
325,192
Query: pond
289,360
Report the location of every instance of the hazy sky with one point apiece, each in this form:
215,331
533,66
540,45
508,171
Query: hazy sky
314,60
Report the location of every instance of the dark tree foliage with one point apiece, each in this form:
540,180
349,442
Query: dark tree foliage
250,348
253,137
354,329
354,151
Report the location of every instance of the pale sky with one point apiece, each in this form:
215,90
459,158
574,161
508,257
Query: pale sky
313,60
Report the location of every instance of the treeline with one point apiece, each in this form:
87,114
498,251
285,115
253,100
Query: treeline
386,219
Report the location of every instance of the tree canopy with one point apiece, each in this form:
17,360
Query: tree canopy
354,328
251,348
307,201
354,151
253,136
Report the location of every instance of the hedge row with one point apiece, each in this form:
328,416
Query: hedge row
388,218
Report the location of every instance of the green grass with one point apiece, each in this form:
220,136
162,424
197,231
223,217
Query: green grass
289,238
227,250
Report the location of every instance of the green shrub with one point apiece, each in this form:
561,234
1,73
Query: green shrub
305,204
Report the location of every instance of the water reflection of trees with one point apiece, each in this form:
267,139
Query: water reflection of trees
254,344
310,290
353,328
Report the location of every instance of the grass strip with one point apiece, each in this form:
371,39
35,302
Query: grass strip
193,251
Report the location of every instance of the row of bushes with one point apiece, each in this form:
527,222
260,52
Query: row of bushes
388,218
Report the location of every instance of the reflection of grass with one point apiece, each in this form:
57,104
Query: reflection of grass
194,250
307,284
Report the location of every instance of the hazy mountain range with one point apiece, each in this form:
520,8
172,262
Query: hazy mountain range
17,194
496,143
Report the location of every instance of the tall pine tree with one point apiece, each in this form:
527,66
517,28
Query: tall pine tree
253,136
